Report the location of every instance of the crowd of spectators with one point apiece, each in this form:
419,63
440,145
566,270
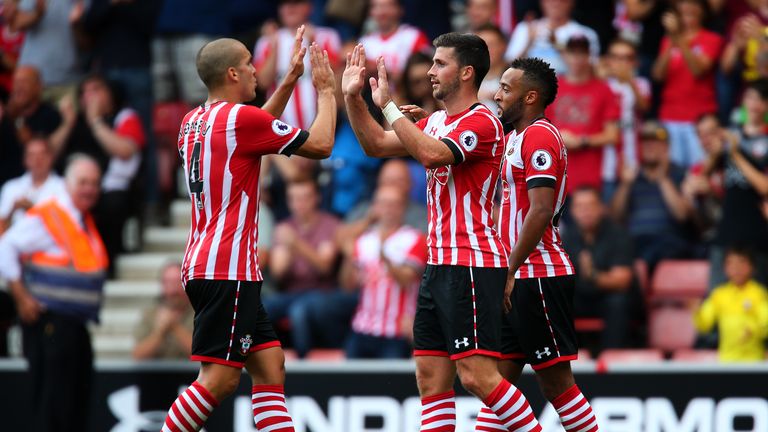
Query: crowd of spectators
662,105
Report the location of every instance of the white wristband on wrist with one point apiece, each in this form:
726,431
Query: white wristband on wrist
392,112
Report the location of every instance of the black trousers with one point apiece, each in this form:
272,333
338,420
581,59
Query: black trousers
58,349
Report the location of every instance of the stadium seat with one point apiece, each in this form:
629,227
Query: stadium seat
586,325
670,328
699,356
611,356
679,280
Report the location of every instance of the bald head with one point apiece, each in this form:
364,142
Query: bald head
27,86
216,57
83,180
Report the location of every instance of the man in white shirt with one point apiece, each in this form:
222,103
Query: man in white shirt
38,183
545,37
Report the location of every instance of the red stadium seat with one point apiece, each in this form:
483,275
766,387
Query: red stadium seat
670,328
586,325
611,356
690,355
680,280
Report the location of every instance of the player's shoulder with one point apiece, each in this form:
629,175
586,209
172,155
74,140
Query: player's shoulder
481,116
542,133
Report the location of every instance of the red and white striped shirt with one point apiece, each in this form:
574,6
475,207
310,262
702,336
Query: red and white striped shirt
221,147
535,158
460,196
395,47
301,108
383,302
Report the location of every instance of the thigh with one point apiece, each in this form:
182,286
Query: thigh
434,375
544,309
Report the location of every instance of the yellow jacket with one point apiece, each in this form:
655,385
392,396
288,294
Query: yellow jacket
742,318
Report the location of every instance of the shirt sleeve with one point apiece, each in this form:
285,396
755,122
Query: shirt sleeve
711,46
477,136
260,133
611,107
6,202
24,237
541,155
706,316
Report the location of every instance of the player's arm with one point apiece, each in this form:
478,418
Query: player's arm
279,99
430,152
541,196
319,144
375,141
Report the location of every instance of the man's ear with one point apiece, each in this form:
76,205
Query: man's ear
466,75
531,97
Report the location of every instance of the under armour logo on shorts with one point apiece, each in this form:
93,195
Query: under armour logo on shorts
464,342
540,354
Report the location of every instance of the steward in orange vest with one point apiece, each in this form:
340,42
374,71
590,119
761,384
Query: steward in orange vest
70,282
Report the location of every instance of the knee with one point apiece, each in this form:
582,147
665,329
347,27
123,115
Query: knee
470,380
220,387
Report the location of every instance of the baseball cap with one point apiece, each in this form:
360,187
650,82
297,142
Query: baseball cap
653,130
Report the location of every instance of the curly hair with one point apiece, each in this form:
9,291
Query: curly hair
538,75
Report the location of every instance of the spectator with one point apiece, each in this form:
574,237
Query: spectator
647,15
113,135
746,44
394,172
744,158
11,42
703,185
392,40
37,184
165,330
272,58
545,37
183,27
55,263
121,33
634,96
686,68
480,14
49,44
386,262
24,116
739,308
649,200
497,46
303,263
587,113
602,256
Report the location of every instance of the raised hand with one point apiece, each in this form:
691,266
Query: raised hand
322,75
380,87
296,67
353,79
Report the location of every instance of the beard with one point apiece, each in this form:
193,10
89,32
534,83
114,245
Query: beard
513,113
446,90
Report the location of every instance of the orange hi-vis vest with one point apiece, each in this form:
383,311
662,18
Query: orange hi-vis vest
70,282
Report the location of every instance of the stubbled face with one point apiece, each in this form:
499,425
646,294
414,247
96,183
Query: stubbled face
444,73
510,96
246,74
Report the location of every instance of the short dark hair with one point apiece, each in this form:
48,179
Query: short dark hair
538,75
470,50
700,119
115,90
742,251
623,41
759,85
